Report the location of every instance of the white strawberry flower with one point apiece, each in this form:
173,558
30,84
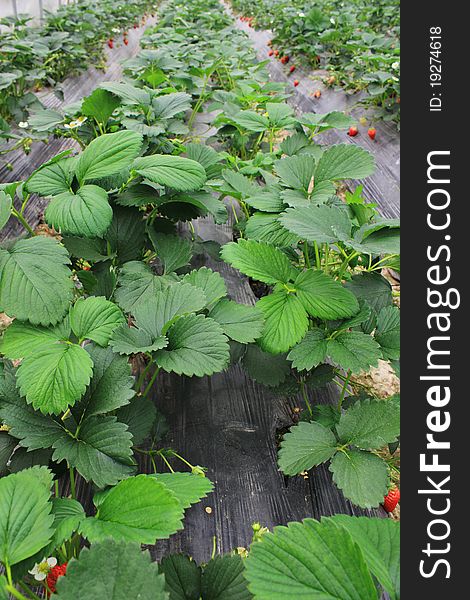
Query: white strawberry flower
23,124
76,123
395,65
41,569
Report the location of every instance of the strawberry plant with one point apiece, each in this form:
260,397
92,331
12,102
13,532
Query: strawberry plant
358,44
67,42
111,298
40,547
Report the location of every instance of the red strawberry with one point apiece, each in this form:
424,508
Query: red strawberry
110,44
317,94
292,69
391,499
135,25
276,52
126,41
54,574
296,82
270,53
285,60
353,130
371,132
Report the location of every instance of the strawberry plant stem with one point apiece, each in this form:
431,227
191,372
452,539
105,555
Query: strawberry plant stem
165,460
22,220
317,256
343,391
14,592
306,256
305,396
142,375
151,382
73,490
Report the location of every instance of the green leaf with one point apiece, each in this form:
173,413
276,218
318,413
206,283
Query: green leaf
118,571
132,340
267,228
169,105
204,203
187,487
354,350
137,285
35,283
373,288
68,514
24,459
324,297
138,195
55,376
176,172
108,154
22,339
387,333
5,208
379,540
381,237
45,120
210,282
265,368
34,429
361,476
267,201
223,578
285,322
344,161
129,93
310,352
240,184
321,224
296,171
25,515
4,594
258,260
173,251
100,105
101,452
205,155
280,113
239,322
7,444
112,384
84,214
308,560
53,177
139,415
370,424
138,509
196,346
305,446
86,248
182,577
95,318
251,120
160,311
126,233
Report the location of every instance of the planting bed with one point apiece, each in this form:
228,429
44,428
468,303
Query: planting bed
383,186
194,277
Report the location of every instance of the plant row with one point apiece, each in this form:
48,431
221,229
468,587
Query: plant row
108,300
356,43
69,41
